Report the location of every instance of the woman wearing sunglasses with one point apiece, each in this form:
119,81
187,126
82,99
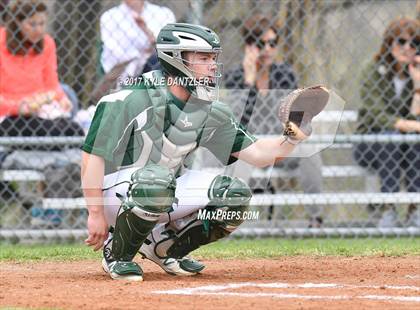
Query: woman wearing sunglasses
265,82
390,103
33,103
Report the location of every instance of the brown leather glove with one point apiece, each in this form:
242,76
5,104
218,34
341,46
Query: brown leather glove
297,110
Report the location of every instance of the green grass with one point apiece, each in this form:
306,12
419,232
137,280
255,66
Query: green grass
270,248
238,249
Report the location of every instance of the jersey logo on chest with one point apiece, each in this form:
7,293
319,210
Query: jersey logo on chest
185,122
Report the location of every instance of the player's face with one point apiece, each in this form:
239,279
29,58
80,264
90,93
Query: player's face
404,49
33,28
267,46
204,65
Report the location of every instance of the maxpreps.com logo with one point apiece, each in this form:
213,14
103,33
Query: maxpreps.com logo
221,215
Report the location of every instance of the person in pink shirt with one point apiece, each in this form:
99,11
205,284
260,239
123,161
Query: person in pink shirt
32,102
29,82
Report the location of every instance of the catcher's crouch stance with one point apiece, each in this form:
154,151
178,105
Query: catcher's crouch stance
140,139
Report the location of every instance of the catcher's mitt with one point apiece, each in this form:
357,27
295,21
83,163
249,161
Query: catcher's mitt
297,110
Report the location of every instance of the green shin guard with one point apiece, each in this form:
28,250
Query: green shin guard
130,232
197,234
185,235
151,193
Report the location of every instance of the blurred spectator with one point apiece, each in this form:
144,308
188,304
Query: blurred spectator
31,97
3,10
29,83
263,78
32,102
390,94
128,33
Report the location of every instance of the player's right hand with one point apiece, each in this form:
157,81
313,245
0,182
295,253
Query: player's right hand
98,230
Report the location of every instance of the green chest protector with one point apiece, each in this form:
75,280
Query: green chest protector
166,130
173,130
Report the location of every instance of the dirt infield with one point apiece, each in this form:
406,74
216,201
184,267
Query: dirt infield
284,283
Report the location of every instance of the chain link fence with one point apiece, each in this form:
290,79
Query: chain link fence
366,183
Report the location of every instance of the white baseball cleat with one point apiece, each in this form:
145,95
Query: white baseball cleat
181,267
118,270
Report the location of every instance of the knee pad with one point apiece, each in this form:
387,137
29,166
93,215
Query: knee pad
229,191
150,194
229,194
152,188
180,237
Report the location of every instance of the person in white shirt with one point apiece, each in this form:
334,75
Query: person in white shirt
128,33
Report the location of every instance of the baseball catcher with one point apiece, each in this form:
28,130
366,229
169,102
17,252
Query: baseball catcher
140,197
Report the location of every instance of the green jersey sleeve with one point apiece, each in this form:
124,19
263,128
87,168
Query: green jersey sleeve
228,137
113,123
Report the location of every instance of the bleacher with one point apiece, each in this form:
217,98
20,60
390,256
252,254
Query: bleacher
279,200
